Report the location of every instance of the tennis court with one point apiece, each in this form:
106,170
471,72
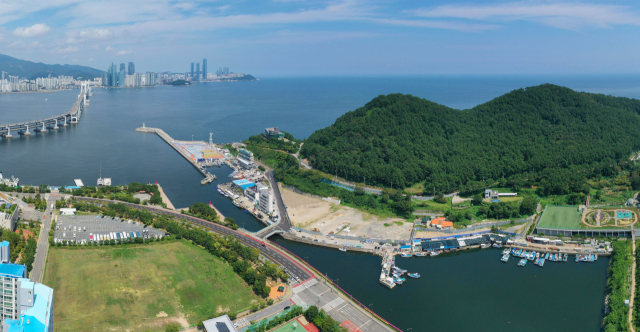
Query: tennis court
560,217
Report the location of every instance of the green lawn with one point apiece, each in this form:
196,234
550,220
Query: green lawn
114,289
562,217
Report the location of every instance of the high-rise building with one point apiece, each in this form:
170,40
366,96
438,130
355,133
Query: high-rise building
204,69
25,305
123,67
112,75
197,77
191,70
132,68
104,79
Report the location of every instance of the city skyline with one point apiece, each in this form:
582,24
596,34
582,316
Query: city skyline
348,37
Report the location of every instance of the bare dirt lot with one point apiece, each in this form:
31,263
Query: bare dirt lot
311,213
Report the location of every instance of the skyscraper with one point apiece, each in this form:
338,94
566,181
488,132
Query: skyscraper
198,71
132,68
204,69
121,76
112,75
123,67
191,70
104,79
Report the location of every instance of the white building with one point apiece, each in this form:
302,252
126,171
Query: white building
265,200
219,324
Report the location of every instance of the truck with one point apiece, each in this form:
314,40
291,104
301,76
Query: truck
118,236
137,234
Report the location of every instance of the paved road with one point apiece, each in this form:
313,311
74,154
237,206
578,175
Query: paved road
275,256
37,272
284,223
318,293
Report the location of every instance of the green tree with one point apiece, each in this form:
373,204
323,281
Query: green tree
528,206
173,327
477,199
311,313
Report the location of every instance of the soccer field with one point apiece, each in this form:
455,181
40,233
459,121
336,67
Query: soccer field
140,288
561,217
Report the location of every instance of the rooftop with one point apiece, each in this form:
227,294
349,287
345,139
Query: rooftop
218,324
12,270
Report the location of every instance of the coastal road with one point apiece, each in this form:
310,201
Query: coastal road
284,223
293,268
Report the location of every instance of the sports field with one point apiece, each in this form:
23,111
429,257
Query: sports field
561,217
140,288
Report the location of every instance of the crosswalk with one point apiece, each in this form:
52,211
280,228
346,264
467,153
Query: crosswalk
298,300
242,322
304,286
333,304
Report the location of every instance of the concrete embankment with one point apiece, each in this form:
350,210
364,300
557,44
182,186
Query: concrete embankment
557,250
165,198
329,245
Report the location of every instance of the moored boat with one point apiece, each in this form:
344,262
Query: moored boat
414,275
505,258
497,245
541,262
420,254
405,254
435,253
484,245
343,249
522,262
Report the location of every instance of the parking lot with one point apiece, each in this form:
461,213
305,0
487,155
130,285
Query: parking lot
82,229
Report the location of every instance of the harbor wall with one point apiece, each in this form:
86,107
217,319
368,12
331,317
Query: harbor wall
329,245
569,251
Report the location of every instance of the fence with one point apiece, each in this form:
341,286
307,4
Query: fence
298,191
472,228
346,237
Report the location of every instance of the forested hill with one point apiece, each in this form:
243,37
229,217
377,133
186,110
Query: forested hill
405,140
32,70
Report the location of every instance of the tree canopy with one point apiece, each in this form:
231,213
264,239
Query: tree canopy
527,133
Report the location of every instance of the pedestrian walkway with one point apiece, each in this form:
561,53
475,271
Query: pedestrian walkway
633,279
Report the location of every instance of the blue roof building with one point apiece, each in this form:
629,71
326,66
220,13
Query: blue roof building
244,184
26,306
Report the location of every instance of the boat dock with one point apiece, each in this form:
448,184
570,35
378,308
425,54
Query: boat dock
208,177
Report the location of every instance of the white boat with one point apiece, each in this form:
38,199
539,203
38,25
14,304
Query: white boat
343,249
485,245
435,253
421,254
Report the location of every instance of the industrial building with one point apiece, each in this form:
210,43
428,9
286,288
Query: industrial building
27,306
494,194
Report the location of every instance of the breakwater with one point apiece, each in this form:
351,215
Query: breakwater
208,178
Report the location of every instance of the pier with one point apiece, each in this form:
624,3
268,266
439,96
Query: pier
52,123
208,177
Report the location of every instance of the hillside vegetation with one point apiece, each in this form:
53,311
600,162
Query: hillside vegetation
33,70
546,135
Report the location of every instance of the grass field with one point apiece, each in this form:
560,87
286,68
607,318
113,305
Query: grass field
140,288
561,217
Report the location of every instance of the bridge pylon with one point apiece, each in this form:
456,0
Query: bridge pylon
27,133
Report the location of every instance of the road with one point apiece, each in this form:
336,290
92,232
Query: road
267,251
633,279
284,223
37,272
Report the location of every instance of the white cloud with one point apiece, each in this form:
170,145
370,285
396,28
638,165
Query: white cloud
89,35
565,15
70,49
123,52
90,59
32,31
109,48
16,44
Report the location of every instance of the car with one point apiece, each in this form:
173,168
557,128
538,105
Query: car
316,240
304,237
287,308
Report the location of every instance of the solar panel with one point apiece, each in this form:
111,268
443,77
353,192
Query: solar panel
222,327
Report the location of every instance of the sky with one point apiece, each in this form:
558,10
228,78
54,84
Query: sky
341,37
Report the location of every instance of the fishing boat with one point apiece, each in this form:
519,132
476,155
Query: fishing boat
435,253
505,258
546,256
236,203
497,245
577,258
513,251
421,254
404,254
532,256
596,257
414,275
522,262
484,245
564,259
343,249
399,271
221,192
541,262
537,255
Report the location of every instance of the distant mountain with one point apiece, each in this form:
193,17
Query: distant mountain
32,70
